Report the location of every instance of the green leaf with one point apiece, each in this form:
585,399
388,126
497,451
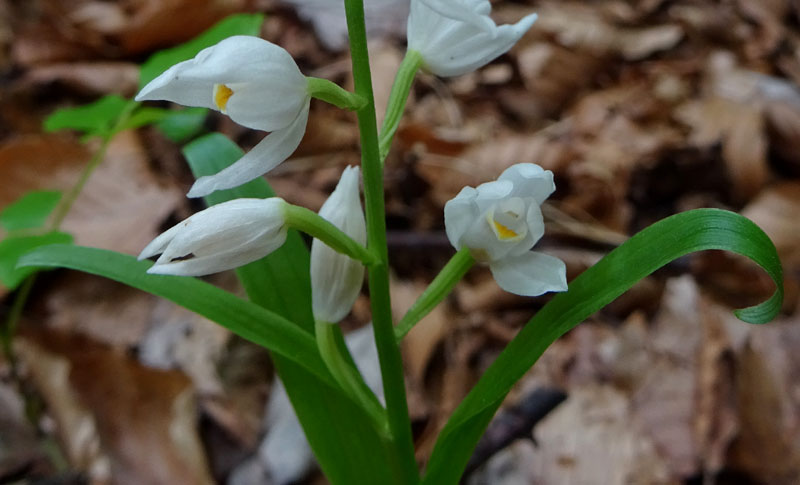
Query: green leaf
240,24
182,125
30,211
281,282
13,248
145,115
243,318
644,253
97,118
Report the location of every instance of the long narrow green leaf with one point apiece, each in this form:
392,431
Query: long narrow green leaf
243,318
644,253
346,446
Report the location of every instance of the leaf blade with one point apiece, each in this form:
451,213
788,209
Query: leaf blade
249,321
30,211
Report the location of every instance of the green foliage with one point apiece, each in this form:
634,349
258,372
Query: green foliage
13,247
281,283
183,125
30,211
248,320
596,287
94,119
241,24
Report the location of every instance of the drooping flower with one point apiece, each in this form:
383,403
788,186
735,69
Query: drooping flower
458,36
500,221
336,279
258,85
224,236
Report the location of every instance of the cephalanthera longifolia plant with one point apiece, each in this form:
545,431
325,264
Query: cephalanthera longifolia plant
296,297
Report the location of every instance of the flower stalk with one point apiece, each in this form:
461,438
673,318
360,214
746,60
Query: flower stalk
440,287
334,94
398,98
388,350
333,350
314,225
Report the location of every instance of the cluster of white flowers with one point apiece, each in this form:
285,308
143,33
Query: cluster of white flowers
259,86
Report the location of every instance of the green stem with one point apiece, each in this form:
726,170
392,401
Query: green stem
397,99
69,198
388,350
316,226
439,288
334,353
334,94
64,206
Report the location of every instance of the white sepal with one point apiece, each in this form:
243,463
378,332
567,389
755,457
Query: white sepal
500,221
336,279
458,36
530,274
257,84
224,236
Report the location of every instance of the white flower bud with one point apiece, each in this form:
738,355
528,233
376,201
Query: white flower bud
258,85
224,236
336,279
500,222
458,36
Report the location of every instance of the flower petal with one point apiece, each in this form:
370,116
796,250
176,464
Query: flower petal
264,74
214,263
530,274
530,180
468,49
476,14
269,153
459,214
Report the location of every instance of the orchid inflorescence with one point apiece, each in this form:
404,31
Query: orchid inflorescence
258,85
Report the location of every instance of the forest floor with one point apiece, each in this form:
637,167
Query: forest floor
641,108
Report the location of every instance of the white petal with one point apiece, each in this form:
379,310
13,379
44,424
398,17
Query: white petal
470,49
535,223
265,76
490,193
215,263
269,153
475,14
530,180
459,214
530,274
221,237
336,279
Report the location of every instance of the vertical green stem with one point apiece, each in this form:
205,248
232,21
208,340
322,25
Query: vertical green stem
388,350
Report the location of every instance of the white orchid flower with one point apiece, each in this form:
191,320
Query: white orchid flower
224,236
258,85
336,279
500,221
458,36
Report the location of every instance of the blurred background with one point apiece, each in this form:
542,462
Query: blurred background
641,108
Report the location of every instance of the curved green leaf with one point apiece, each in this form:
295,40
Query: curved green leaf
243,318
644,253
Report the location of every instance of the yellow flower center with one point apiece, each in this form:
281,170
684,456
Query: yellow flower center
504,233
222,94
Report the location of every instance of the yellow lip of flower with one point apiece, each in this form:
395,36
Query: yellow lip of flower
222,94
503,232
